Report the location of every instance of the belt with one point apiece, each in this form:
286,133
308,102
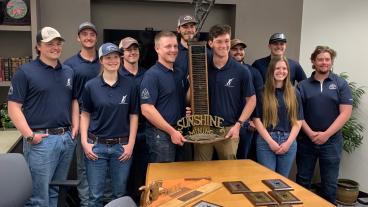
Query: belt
53,131
115,140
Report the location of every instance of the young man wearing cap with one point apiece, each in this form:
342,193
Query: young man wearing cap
161,92
237,51
230,85
43,106
327,105
86,66
186,29
131,69
277,46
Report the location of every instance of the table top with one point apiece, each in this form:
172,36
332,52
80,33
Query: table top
247,171
8,139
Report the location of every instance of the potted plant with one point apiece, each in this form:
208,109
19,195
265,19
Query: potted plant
352,131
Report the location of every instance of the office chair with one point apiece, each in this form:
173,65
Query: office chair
125,201
15,180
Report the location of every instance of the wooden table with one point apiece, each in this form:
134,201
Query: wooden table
9,139
248,171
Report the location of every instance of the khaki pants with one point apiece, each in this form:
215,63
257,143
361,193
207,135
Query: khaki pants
226,150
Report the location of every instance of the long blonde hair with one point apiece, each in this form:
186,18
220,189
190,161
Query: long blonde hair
270,103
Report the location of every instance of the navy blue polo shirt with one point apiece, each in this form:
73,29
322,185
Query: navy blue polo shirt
283,124
228,88
137,78
321,100
181,61
296,71
110,106
84,70
256,78
165,89
45,92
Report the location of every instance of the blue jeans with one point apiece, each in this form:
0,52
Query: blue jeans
329,155
97,172
245,142
160,147
49,160
280,163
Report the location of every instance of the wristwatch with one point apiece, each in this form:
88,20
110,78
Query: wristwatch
30,138
241,123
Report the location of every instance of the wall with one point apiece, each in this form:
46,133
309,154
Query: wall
65,16
342,25
252,20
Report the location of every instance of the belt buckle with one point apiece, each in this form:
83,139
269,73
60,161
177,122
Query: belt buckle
109,141
62,130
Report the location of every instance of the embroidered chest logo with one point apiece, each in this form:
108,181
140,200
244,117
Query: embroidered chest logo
332,86
124,100
68,83
145,94
229,82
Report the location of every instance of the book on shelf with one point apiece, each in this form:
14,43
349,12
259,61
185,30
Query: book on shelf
8,66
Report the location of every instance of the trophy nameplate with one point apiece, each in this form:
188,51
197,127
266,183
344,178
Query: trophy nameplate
201,126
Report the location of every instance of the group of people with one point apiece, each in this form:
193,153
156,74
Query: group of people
122,116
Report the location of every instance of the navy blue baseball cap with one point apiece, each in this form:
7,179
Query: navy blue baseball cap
107,48
277,37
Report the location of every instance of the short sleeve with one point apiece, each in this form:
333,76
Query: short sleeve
148,89
18,88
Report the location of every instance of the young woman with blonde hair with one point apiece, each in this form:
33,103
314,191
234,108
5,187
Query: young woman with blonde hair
278,118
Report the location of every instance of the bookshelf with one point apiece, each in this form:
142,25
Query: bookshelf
17,41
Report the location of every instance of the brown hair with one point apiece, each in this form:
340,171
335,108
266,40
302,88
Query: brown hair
217,30
321,49
270,104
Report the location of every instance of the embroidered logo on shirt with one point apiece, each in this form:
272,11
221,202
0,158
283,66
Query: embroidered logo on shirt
145,94
332,86
228,84
123,100
10,92
68,83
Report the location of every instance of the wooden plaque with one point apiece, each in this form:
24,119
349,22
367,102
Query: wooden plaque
285,197
277,184
236,187
201,126
260,198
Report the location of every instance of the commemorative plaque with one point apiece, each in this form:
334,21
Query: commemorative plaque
277,184
285,197
200,127
236,187
260,198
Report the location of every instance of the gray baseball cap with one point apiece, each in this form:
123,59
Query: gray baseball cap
87,25
184,19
